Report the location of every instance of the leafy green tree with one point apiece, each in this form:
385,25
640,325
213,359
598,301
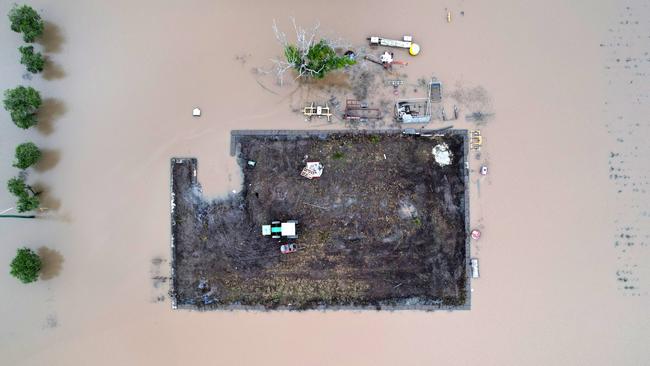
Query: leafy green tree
17,186
27,198
34,61
22,103
26,265
24,19
27,203
317,61
27,154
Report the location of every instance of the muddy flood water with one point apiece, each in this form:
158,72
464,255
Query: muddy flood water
564,210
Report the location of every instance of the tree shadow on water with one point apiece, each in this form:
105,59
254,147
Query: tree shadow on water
52,70
52,262
52,38
49,159
48,202
50,110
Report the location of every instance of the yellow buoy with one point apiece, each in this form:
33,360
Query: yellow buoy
414,49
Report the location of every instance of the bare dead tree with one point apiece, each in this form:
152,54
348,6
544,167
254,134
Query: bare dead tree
306,38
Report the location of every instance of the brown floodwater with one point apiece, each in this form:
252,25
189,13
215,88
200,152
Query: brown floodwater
559,284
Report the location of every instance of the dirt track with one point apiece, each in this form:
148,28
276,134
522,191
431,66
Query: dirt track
374,230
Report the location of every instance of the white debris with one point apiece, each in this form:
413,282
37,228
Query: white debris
313,169
196,112
442,154
387,58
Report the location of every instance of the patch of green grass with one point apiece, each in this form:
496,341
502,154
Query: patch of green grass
338,155
417,221
375,139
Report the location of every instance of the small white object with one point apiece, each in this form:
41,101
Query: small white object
196,112
288,228
266,229
442,154
484,170
384,156
386,58
475,273
313,169
408,38
233,191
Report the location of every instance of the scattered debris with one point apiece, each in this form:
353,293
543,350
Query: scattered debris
395,84
476,234
442,154
313,169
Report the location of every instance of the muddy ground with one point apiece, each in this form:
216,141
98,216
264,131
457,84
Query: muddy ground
384,226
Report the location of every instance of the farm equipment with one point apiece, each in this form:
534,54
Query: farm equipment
418,110
476,140
386,60
358,111
406,42
278,230
318,111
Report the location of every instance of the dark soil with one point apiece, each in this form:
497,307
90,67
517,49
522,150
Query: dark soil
373,231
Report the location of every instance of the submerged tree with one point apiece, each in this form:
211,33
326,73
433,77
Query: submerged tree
26,265
27,198
24,19
22,103
27,203
310,58
27,154
34,61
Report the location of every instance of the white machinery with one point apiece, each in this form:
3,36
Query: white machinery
406,42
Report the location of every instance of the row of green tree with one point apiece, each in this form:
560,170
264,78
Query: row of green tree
23,103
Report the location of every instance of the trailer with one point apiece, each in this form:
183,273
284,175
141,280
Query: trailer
406,42
359,111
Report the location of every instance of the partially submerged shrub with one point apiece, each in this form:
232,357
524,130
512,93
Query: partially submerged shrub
22,103
34,61
317,60
26,265
27,198
27,154
24,19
